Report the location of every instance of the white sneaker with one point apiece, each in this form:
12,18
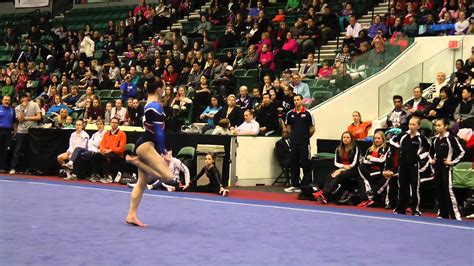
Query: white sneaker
12,171
69,165
130,185
169,188
118,177
292,189
150,187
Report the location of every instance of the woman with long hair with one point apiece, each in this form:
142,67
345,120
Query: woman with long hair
371,181
346,159
148,149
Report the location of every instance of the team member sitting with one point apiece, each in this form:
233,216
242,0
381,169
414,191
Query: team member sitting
177,168
78,139
371,181
215,182
347,156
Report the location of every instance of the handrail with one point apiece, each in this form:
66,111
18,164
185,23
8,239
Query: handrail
366,80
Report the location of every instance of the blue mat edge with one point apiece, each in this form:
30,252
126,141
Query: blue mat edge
184,195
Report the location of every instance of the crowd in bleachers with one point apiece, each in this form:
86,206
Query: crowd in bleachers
105,62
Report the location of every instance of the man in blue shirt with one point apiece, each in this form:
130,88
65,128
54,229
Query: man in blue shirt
7,119
128,89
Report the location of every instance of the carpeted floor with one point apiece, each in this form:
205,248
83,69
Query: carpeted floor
44,222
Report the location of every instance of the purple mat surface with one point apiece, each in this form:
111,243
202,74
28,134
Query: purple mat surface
58,224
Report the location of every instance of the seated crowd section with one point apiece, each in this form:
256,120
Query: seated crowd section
232,70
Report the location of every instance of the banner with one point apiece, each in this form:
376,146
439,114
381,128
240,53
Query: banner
31,3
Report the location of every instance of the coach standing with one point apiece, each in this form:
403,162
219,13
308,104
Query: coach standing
7,118
300,124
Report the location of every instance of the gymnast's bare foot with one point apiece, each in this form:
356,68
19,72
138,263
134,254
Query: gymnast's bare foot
131,159
134,221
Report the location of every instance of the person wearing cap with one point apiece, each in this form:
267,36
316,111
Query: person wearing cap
227,83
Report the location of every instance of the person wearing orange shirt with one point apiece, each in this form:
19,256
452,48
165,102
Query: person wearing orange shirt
112,148
359,129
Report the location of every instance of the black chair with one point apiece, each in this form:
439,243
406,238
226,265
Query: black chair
284,176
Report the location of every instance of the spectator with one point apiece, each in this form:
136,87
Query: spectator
358,129
244,101
86,48
292,5
69,124
345,16
227,83
251,59
346,162
267,116
135,112
345,55
287,102
181,106
195,75
78,139
442,107
460,27
325,72
418,104
119,112
249,127
108,113
72,98
7,89
231,111
464,113
434,89
328,24
202,97
203,25
266,61
128,89
398,117
256,98
57,106
170,77
288,52
310,69
94,112
222,128
308,40
7,120
60,119
376,25
112,148
300,87
208,114
352,31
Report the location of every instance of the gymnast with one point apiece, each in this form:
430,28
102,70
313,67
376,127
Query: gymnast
149,148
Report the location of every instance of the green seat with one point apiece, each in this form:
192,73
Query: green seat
252,73
115,94
239,72
325,155
130,148
463,175
250,82
104,94
187,152
321,96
